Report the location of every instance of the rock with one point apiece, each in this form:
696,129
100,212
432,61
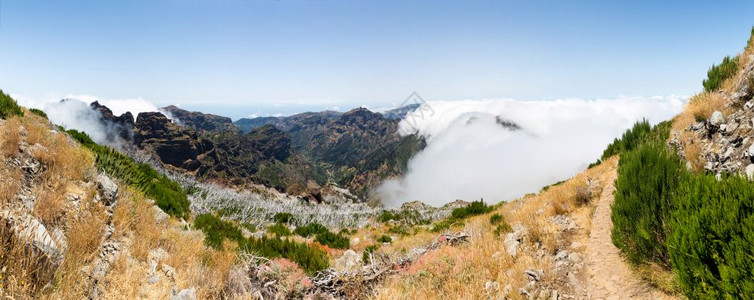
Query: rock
491,287
107,190
534,275
348,261
159,215
35,234
717,118
561,255
512,241
185,294
749,104
507,289
750,172
574,257
153,279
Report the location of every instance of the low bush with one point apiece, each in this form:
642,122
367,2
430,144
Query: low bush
712,241
283,218
333,240
323,236
496,219
717,74
38,112
384,239
279,230
385,216
216,230
647,181
311,229
473,209
8,106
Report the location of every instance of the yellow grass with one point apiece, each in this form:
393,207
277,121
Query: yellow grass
195,264
10,136
699,108
461,272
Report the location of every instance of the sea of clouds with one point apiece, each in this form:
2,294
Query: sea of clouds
470,156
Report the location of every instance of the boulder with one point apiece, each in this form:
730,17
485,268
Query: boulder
717,118
107,190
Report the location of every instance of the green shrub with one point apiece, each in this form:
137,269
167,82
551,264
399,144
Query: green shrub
385,216
283,218
250,227
38,112
309,258
385,239
367,252
167,194
217,230
503,228
279,229
332,240
473,209
8,106
495,219
644,190
310,229
717,74
712,241
399,229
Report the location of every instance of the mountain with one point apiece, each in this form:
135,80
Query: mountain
200,121
297,154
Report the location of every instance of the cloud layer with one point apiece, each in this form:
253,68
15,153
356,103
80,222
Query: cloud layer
471,156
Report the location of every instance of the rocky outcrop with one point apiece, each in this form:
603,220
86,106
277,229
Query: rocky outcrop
174,145
201,121
123,125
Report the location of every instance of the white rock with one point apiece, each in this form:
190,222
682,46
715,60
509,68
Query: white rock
717,118
107,190
159,215
750,172
186,294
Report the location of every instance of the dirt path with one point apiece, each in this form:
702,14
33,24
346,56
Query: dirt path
609,275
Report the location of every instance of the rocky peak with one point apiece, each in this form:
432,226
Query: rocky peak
123,124
174,145
201,121
359,116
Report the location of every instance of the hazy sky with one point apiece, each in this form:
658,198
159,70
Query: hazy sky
247,57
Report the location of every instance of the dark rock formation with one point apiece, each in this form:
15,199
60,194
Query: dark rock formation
174,145
201,121
123,124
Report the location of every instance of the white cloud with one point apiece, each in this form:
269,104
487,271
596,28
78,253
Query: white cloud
470,156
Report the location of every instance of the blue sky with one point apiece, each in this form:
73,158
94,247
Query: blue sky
261,57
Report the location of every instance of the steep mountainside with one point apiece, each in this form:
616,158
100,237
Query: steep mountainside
297,154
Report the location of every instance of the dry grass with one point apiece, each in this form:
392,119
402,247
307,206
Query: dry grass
461,272
699,108
195,264
10,136
49,207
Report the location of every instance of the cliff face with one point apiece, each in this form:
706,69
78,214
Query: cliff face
174,145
